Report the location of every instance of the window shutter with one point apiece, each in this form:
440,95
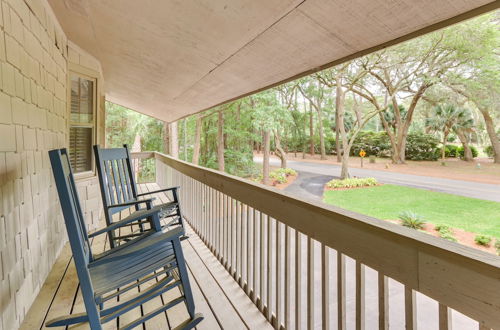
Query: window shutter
82,122
80,148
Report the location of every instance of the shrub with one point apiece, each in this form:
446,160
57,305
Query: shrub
497,245
421,146
374,143
482,240
449,151
411,220
445,232
448,236
489,151
352,183
288,171
281,174
277,176
460,151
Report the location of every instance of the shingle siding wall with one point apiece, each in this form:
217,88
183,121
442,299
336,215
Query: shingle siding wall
33,120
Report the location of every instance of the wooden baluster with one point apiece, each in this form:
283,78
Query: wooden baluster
254,255
241,214
261,262
310,283
410,309
325,287
226,230
360,296
341,292
219,224
230,235
383,302
278,282
288,247
444,317
269,313
233,239
249,250
298,279
212,220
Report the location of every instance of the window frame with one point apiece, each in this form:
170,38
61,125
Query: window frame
82,72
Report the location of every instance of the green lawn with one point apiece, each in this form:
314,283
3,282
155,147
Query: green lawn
388,201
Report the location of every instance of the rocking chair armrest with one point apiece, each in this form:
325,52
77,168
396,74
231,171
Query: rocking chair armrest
154,241
137,215
131,203
159,191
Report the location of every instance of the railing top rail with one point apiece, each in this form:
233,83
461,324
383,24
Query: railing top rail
459,276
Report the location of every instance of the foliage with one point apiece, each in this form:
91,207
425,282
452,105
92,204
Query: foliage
497,245
374,143
352,183
489,151
411,219
125,126
455,211
451,150
280,175
448,236
484,240
473,149
421,146
445,232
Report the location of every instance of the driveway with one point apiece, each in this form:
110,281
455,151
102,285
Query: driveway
478,190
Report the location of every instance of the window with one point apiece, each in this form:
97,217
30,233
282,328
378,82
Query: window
82,122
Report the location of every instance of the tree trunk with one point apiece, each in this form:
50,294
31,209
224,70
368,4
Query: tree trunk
468,156
184,138
443,149
321,137
136,147
197,141
490,128
265,163
174,140
279,150
311,131
220,141
344,173
166,138
337,131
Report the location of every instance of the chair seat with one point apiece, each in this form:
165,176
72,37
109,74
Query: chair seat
131,262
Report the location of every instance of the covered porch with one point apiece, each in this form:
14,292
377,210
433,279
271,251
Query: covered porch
259,258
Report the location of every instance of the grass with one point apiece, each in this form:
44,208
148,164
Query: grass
388,201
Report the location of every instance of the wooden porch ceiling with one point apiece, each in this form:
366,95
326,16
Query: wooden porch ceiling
172,58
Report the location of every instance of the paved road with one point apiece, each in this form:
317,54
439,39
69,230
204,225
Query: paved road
457,187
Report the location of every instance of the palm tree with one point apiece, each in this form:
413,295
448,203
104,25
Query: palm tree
447,118
462,128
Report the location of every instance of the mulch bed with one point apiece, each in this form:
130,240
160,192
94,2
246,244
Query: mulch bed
463,237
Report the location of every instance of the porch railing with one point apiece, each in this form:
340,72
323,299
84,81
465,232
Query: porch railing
317,266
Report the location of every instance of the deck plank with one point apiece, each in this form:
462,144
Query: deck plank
202,306
241,304
223,303
36,315
160,321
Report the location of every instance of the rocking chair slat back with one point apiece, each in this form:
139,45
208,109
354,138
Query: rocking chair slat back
117,182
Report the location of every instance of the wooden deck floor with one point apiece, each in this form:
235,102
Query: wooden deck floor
223,303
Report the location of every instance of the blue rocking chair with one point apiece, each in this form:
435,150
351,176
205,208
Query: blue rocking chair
119,192
106,276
